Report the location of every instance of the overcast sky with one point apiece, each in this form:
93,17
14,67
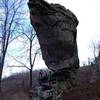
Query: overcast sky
88,14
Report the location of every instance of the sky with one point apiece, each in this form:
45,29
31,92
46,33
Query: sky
88,14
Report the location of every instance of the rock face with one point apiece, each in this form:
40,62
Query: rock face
56,31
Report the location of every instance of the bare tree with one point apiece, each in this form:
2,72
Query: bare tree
95,47
11,20
31,58
31,36
30,51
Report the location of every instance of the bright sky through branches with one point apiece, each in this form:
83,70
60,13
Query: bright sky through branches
88,14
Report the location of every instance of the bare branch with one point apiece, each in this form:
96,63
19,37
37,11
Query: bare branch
20,62
10,23
18,66
35,56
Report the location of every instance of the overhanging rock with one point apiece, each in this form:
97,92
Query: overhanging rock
56,29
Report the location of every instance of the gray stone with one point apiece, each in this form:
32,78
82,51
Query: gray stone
56,29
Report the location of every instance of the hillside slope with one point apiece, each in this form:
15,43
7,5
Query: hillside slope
89,92
16,87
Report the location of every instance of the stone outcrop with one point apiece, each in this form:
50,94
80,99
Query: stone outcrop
56,32
56,29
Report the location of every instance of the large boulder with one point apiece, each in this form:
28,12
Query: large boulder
56,31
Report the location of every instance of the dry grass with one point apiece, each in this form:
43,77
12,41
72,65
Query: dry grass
89,92
16,87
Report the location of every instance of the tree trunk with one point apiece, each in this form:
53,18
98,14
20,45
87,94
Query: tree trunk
31,78
1,70
31,84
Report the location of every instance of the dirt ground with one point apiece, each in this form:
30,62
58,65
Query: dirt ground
89,92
